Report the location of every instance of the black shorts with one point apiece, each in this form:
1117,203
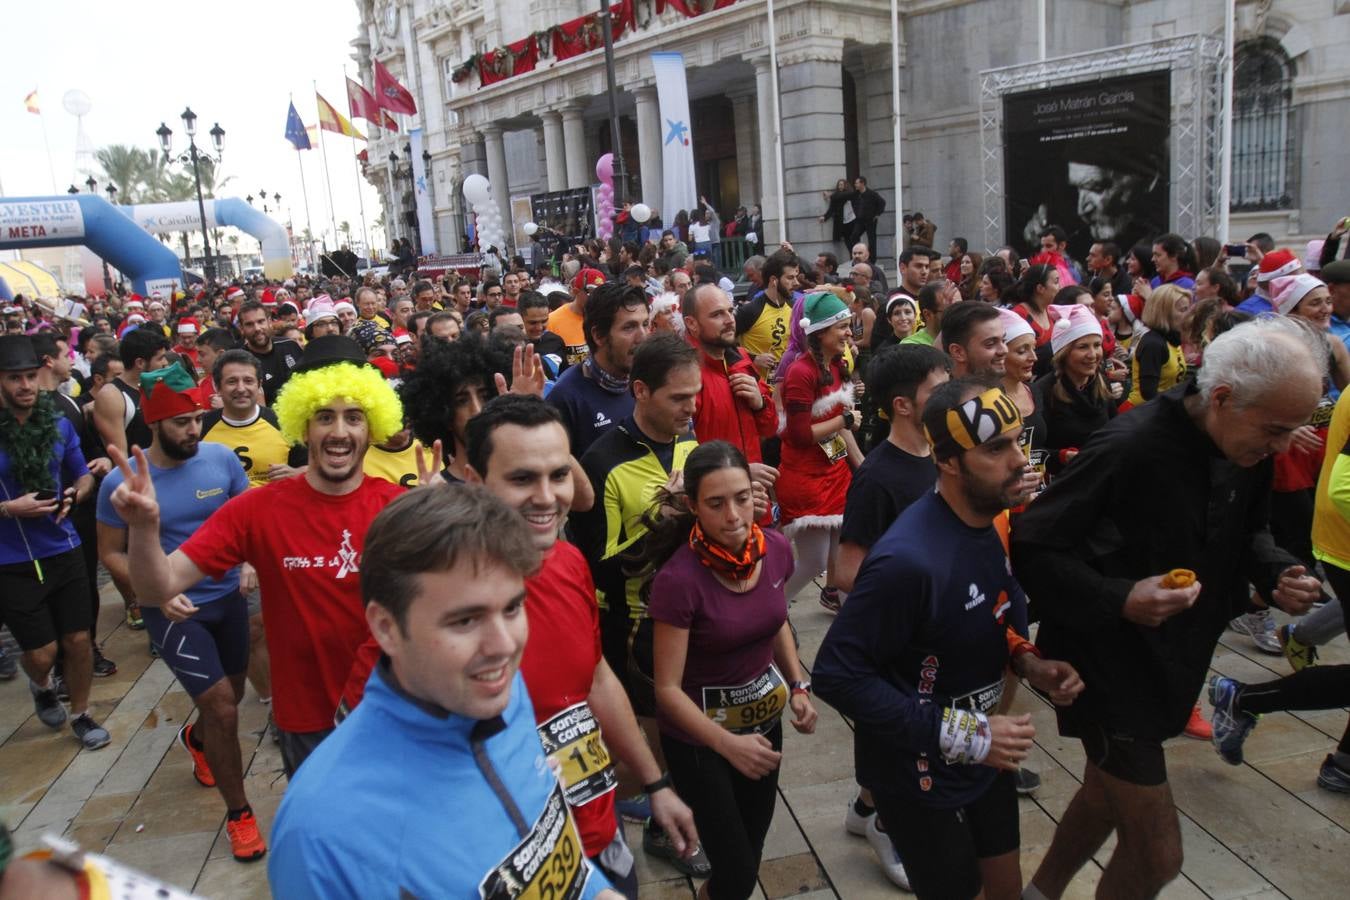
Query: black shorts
627,644
941,848
209,645
1131,759
296,746
39,611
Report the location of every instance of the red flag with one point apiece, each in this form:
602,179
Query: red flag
361,104
390,94
389,123
513,59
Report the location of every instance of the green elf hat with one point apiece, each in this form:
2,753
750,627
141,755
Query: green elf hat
168,392
821,311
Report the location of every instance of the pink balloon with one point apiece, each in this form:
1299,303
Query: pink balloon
604,170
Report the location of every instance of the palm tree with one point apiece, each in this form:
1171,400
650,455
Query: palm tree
128,168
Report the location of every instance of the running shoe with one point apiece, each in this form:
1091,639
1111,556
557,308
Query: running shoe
636,808
1231,726
855,823
887,855
103,667
9,669
246,842
1197,727
134,620
1332,777
47,706
1260,627
1027,782
91,734
201,770
829,599
1299,655
655,842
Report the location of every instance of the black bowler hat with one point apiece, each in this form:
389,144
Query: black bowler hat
17,354
329,350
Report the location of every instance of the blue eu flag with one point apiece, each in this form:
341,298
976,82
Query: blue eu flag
295,130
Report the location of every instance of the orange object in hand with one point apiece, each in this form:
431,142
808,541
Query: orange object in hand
1178,578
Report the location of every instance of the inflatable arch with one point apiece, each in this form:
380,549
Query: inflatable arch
91,221
162,218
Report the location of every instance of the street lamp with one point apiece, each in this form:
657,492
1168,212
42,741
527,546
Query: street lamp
72,190
112,192
192,157
249,198
91,184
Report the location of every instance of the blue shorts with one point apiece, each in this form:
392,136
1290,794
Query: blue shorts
205,648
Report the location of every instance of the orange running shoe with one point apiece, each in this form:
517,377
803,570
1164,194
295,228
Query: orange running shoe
245,841
1197,727
200,769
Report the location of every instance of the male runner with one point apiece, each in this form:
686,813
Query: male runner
202,634
1093,551
303,535
445,714
920,669
518,450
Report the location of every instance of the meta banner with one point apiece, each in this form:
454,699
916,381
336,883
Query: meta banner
1092,158
46,220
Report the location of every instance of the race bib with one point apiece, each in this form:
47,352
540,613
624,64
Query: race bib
834,449
572,742
548,863
750,708
981,700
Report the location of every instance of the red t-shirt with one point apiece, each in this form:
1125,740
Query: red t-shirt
306,547
560,659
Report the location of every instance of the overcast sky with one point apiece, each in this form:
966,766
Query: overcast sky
142,61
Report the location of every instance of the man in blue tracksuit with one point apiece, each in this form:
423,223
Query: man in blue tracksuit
437,786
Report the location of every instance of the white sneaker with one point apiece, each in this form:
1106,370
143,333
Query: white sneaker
855,823
1260,627
886,855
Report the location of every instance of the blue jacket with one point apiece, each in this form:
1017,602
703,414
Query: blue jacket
395,804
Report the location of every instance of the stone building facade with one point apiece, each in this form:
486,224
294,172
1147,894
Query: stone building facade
544,130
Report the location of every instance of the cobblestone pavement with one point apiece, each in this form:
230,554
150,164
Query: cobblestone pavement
1263,829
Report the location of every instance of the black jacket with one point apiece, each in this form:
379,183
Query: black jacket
868,207
1149,493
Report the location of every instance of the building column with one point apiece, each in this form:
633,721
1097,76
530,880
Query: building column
649,147
747,173
812,87
554,156
496,166
768,162
574,140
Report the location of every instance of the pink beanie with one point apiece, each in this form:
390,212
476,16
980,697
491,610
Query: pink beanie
1071,323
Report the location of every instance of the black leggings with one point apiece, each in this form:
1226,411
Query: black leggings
1316,687
732,812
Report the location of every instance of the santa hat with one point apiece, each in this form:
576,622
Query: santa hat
135,303
188,325
268,298
1288,292
168,392
1014,326
1070,324
321,307
822,310
1277,264
343,304
134,319
234,293
401,336
1312,258
1131,307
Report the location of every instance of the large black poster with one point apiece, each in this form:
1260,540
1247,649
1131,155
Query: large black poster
1091,157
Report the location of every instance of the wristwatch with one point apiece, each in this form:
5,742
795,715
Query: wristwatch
800,687
657,785
848,419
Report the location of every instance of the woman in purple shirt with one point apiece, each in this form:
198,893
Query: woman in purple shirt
726,663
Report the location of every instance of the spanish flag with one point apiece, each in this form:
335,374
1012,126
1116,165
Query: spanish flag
31,103
332,120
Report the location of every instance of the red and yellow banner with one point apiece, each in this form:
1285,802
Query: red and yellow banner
332,120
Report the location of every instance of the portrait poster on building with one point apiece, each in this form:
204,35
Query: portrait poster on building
1091,157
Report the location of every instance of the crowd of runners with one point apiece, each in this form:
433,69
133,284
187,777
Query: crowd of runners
515,559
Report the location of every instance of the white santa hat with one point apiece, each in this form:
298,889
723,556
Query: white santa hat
1070,324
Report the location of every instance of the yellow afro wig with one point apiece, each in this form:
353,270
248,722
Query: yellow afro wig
305,393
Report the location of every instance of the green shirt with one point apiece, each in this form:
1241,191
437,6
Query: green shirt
920,337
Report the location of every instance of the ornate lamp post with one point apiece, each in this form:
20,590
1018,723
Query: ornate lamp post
192,157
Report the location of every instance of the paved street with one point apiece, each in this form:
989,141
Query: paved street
1261,830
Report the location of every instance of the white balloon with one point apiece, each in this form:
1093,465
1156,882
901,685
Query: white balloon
640,212
530,228
476,189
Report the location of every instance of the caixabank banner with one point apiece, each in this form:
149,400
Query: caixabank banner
1090,157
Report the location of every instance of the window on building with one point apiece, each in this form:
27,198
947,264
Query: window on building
1264,149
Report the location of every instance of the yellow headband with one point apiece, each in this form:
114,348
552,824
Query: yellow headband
974,422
